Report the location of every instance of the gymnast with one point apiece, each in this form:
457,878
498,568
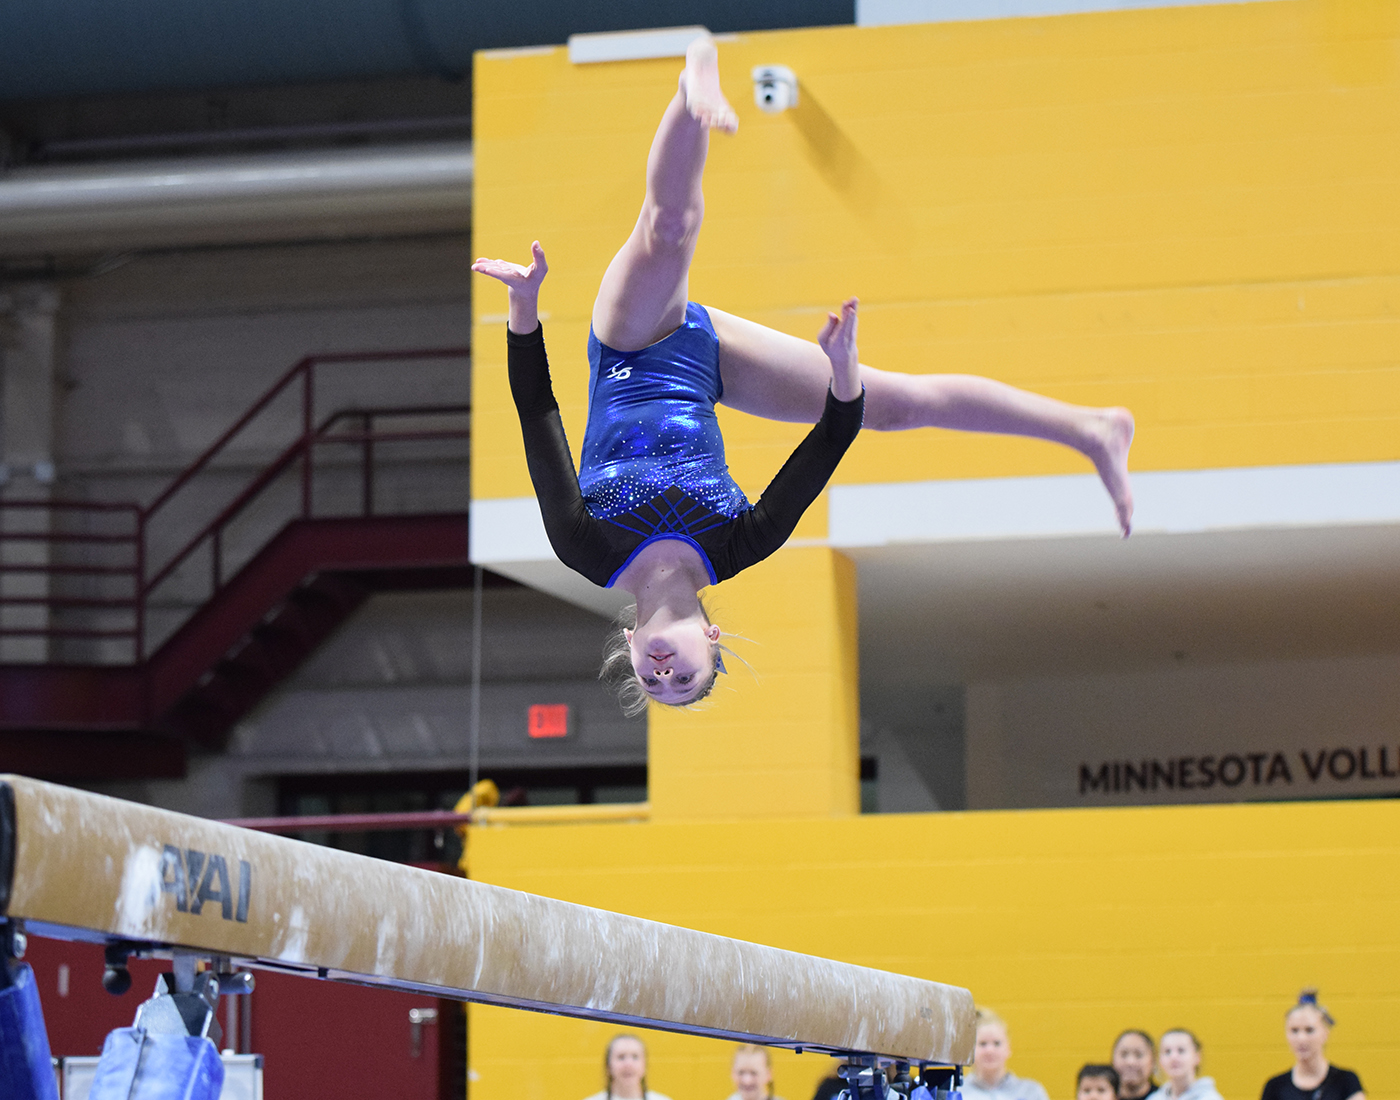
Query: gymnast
653,509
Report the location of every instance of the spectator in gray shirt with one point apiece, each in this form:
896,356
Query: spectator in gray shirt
1179,1052
990,1079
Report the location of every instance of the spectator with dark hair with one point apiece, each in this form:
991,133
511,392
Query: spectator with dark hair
1308,1025
990,1079
1097,1082
1180,1058
1134,1058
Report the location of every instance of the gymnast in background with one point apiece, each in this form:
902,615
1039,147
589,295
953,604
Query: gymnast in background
625,1071
1308,1026
653,509
752,1073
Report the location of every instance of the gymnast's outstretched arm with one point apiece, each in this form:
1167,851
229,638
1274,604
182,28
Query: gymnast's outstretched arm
764,528
576,537
574,534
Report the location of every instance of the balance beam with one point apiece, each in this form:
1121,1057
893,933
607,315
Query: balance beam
81,866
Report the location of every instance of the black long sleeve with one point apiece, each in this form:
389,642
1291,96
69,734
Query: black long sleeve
577,538
764,528
596,548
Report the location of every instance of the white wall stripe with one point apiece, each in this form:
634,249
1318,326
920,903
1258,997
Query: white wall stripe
1175,502
509,529
884,13
586,49
1169,502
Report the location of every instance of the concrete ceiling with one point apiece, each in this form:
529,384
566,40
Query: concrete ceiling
101,47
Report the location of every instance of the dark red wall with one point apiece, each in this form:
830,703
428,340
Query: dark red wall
318,1039
340,1042
79,1021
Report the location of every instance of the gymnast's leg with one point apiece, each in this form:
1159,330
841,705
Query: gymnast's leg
781,377
643,294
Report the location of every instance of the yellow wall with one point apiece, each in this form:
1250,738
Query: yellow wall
783,741
1074,924
1188,210
1192,211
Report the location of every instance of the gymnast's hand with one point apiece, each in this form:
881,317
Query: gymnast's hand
523,284
838,340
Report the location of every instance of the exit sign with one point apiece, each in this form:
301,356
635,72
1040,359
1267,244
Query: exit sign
549,720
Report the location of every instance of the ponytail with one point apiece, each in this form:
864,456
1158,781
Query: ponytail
1308,999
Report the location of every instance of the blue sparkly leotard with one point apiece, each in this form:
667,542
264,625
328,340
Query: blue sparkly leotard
652,424
653,463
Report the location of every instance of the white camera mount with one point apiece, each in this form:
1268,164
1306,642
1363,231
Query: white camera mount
774,88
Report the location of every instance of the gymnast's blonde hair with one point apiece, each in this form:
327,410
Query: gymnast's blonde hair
987,1017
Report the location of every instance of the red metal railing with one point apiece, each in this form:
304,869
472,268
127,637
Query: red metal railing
355,823
46,541
41,524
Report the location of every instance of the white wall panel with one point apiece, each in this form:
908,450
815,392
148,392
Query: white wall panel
1282,729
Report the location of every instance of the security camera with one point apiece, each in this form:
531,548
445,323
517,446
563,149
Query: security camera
774,88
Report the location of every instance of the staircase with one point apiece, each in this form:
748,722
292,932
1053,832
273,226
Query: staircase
127,640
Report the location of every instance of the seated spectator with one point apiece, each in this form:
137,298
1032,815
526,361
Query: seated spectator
625,1071
752,1072
1135,1057
1308,1026
990,1079
1180,1058
1097,1082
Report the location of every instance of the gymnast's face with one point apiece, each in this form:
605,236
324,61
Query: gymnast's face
673,658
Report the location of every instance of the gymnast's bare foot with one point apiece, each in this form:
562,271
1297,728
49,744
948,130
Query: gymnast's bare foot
1110,436
700,86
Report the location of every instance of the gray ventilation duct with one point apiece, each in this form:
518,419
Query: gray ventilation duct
86,47
236,199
